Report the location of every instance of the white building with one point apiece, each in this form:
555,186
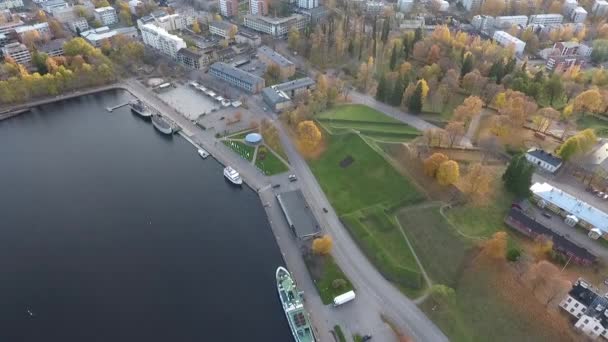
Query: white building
223,29
42,29
546,19
8,4
168,22
589,308
405,6
258,7
483,22
276,26
308,4
159,39
98,35
79,24
543,160
568,7
50,5
17,52
505,22
578,15
505,39
106,15
600,8
471,5
134,5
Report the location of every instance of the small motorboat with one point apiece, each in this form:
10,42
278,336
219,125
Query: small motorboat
204,154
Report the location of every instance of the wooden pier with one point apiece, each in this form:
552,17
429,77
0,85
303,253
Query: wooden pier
110,109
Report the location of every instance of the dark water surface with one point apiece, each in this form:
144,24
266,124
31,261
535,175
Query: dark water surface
110,231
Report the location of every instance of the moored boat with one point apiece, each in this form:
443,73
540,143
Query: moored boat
204,154
293,305
232,175
161,124
140,108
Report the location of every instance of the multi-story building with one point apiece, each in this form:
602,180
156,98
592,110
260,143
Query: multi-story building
78,24
106,15
471,5
43,30
248,38
8,4
600,8
276,26
483,23
98,35
229,8
161,40
546,19
237,77
505,39
405,6
279,96
53,48
590,309
506,21
135,6
168,22
50,5
308,3
18,52
223,29
374,7
10,25
569,6
4,39
258,7
194,59
566,54
64,14
578,15
270,57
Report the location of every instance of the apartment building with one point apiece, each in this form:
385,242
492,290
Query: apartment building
53,48
276,26
229,8
237,77
506,21
600,8
43,30
483,23
106,15
505,39
579,15
546,19
78,24
18,52
223,29
49,6
9,4
194,59
270,57
258,7
161,40
168,22
568,7
589,308
308,4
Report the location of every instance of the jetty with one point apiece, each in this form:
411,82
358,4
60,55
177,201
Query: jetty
12,113
111,109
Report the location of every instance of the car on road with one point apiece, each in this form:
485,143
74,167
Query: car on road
276,185
292,178
546,214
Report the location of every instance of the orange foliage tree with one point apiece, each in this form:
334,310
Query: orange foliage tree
431,164
309,135
322,245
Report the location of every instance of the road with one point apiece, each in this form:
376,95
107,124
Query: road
375,295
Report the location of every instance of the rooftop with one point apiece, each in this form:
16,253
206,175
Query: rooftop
52,45
236,73
275,96
598,157
572,205
222,25
275,56
274,21
190,53
295,84
298,214
545,156
103,9
22,29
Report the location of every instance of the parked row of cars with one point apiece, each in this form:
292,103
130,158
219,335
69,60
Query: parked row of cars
598,193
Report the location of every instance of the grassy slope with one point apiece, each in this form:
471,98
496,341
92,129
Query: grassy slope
357,112
484,221
270,165
324,271
367,181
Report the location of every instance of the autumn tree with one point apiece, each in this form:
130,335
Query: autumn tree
272,75
496,246
589,101
578,144
431,164
448,173
493,7
454,131
543,118
322,245
518,176
470,108
196,27
309,136
540,274
293,38
542,246
477,183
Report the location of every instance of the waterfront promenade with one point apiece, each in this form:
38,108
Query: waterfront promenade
375,295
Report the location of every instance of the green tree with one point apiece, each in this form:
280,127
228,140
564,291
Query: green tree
39,60
293,38
579,143
600,50
382,89
467,64
518,176
272,74
393,62
398,89
553,88
415,101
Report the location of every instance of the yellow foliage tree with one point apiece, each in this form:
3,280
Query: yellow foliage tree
448,173
470,108
196,27
431,164
588,101
425,88
496,247
322,245
309,135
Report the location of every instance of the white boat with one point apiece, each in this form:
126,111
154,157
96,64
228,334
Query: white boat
232,175
204,154
161,124
140,108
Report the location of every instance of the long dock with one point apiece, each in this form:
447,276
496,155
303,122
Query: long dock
111,109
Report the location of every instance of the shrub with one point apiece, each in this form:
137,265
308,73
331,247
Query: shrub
513,254
338,283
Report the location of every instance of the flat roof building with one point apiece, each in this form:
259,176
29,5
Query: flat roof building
237,77
600,8
546,19
223,29
506,21
578,15
106,15
252,39
42,29
279,96
589,308
276,27
193,59
96,36
17,52
298,214
53,48
161,40
507,40
9,4
269,57
78,24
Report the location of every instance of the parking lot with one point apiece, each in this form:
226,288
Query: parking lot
188,101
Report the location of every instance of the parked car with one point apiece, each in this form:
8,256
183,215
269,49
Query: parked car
292,178
600,194
546,214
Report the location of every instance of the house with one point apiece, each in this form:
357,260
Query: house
589,308
268,56
518,220
544,160
575,211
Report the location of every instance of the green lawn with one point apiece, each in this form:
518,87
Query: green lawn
240,135
600,126
241,148
481,221
440,249
357,112
268,163
339,333
324,271
383,243
367,181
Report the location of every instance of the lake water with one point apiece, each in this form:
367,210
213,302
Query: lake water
113,232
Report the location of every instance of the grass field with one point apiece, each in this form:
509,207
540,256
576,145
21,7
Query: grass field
241,148
324,271
481,221
268,163
600,126
440,249
367,181
356,112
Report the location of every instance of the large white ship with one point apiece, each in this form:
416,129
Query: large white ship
232,175
140,108
161,124
293,305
